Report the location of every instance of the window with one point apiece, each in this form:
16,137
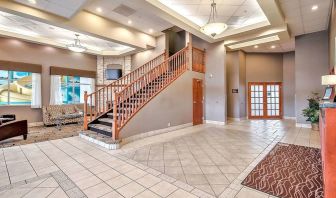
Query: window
15,88
72,89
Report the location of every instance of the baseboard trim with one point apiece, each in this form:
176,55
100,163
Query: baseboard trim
289,118
236,119
35,124
215,122
300,125
155,132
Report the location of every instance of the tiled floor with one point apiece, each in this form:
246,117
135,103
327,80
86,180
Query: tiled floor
198,161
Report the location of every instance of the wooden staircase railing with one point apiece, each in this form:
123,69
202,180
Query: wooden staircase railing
100,101
134,96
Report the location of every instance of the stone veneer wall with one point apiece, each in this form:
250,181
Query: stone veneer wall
104,61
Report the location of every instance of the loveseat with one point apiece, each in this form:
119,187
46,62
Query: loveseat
52,113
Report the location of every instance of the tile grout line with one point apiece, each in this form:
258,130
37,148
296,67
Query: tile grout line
147,170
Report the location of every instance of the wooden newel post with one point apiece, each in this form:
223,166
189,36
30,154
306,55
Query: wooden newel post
115,116
85,121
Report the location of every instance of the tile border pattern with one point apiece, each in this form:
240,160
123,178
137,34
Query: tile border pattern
65,183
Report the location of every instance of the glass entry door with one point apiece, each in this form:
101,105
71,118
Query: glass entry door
265,100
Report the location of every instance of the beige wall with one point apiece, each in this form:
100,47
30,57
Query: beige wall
173,105
20,51
264,67
236,79
289,84
141,58
311,62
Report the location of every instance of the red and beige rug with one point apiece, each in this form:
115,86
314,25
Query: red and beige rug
289,171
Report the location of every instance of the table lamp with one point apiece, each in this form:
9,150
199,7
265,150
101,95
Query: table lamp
329,81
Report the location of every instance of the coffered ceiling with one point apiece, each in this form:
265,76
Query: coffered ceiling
131,25
64,8
302,18
133,13
235,13
13,25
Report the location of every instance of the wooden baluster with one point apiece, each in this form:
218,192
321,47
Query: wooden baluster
91,107
115,132
85,121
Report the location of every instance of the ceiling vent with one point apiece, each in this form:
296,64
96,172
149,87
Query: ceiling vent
124,10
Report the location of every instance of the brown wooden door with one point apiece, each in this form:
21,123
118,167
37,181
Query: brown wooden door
265,100
197,101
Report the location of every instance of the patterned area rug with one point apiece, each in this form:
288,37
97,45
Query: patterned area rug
289,171
42,133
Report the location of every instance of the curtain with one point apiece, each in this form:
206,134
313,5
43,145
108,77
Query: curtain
36,91
86,84
55,90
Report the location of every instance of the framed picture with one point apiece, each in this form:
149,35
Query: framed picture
329,94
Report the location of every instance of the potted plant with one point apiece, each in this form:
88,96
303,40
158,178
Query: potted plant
312,113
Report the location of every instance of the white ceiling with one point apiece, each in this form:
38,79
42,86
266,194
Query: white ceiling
27,27
64,8
302,19
235,13
142,19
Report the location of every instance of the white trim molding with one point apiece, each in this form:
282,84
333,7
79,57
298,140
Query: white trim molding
214,122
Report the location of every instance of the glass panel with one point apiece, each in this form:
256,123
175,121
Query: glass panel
252,88
253,106
268,88
277,106
252,94
253,113
20,88
252,100
277,112
3,87
260,88
277,100
276,94
257,100
276,87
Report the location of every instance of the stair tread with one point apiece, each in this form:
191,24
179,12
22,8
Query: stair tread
109,120
101,127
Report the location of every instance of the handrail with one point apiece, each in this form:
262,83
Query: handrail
100,101
131,98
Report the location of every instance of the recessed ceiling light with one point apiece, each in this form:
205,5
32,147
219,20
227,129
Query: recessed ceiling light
150,30
273,46
129,22
256,46
32,1
314,7
99,10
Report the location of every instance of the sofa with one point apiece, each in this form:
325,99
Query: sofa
62,114
13,129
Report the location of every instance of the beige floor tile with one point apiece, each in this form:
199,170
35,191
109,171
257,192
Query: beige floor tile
131,189
148,180
147,194
163,188
97,190
247,192
88,182
181,193
118,182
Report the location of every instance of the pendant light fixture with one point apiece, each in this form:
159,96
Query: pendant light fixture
212,27
77,46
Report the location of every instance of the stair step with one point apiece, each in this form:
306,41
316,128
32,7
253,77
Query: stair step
100,128
106,121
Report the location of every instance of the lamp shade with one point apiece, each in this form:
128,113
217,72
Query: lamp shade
329,80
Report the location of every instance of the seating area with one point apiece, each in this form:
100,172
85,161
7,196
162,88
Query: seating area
168,99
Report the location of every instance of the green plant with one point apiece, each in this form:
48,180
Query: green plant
313,111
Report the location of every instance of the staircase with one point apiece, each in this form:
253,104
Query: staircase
109,109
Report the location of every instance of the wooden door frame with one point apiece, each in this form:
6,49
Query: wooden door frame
193,97
265,100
